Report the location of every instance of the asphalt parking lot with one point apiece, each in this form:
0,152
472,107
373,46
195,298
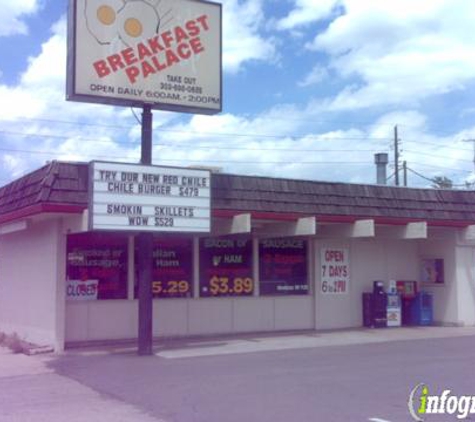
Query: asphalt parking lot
355,375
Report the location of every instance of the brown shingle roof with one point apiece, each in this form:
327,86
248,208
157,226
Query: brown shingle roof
55,183
67,184
341,199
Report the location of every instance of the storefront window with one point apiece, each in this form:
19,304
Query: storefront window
172,268
283,266
226,267
96,267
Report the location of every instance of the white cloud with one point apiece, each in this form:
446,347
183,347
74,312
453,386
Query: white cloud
15,165
48,69
401,51
284,141
13,11
274,143
41,91
35,115
41,86
306,12
242,40
316,75
33,112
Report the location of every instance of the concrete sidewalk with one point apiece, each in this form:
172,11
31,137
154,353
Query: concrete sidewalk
30,391
265,342
307,340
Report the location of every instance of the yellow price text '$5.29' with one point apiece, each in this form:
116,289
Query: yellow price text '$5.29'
170,287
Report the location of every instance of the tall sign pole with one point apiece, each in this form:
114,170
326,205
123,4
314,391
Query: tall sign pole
163,55
145,251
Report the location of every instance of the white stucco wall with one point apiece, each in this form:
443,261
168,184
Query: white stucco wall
118,319
465,275
384,257
442,245
31,262
32,283
387,258
371,259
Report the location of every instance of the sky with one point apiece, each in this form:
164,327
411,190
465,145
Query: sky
312,89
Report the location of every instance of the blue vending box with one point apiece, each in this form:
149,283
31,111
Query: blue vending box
422,309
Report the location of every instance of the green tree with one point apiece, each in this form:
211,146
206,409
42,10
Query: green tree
442,182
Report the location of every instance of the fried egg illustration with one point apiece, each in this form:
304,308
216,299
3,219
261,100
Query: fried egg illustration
137,20
101,19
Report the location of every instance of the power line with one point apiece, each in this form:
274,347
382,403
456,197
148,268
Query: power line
436,144
56,153
181,146
428,154
244,135
445,132
443,168
473,141
62,137
111,126
420,175
225,134
433,180
245,115
201,146
205,160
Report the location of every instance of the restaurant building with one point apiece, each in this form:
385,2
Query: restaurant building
281,255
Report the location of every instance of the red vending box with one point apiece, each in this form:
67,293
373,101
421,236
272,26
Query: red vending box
408,291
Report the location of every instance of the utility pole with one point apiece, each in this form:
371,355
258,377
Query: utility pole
473,142
404,172
396,156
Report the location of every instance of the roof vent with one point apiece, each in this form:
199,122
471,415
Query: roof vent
381,161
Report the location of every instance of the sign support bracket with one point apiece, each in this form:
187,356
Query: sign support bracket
145,251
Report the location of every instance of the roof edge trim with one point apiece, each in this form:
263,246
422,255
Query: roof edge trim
40,209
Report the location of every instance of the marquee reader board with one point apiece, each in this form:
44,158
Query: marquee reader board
163,53
138,198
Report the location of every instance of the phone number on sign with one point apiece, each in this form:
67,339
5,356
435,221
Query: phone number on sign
166,86
338,286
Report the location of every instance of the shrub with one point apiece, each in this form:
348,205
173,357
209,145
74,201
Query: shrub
13,342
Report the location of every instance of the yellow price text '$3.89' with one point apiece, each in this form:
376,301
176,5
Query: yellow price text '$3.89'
227,286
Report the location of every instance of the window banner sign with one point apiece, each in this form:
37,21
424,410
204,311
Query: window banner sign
164,53
96,267
81,289
172,268
226,267
335,274
432,270
283,266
